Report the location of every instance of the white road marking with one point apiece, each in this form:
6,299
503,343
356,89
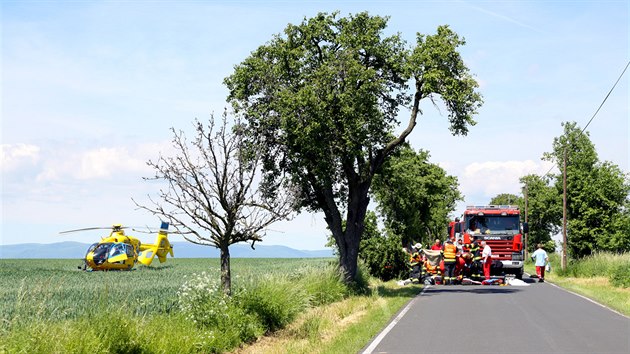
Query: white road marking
379,338
391,325
585,298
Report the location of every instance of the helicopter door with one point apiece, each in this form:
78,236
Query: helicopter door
118,253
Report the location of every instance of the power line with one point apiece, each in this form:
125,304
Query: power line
605,98
600,106
564,176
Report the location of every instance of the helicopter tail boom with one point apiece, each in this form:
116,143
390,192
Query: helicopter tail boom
161,248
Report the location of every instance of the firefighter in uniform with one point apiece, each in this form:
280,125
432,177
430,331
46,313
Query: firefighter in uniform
415,261
449,252
476,261
430,269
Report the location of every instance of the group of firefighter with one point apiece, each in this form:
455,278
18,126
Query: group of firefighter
450,263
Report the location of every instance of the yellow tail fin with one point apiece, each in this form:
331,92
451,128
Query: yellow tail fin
160,248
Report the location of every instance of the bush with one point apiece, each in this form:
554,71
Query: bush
601,264
274,301
203,302
361,283
620,277
384,258
323,286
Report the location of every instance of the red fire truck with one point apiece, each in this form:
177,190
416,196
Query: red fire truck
500,226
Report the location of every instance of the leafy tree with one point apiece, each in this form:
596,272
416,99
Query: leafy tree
211,186
324,98
544,208
596,193
381,251
415,196
612,190
508,199
619,240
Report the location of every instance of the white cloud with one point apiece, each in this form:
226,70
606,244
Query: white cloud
14,156
103,163
494,177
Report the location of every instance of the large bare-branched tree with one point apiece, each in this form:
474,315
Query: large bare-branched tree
214,195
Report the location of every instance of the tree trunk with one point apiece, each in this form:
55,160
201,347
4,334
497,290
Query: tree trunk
226,277
348,244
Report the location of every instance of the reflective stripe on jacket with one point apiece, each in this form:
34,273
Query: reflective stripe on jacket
450,252
474,249
415,259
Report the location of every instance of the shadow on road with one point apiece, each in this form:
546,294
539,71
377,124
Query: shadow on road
530,280
414,289
475,289
407,291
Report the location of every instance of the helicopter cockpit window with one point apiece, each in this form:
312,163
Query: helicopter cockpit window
91,248
117,249
100,252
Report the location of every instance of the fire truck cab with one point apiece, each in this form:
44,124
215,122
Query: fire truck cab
500,226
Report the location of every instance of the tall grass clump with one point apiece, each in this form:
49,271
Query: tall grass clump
361,283
258,305
600,264
323,286
620,277
275,301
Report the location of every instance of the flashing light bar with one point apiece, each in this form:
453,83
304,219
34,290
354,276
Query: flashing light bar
477,207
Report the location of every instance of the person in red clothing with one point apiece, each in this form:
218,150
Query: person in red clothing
437,246
486,258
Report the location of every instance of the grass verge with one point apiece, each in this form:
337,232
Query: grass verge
340,327
591,278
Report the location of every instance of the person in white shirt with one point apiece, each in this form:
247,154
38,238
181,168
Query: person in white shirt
460,246
541,258
486,258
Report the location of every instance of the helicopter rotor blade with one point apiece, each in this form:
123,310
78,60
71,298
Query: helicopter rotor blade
92,228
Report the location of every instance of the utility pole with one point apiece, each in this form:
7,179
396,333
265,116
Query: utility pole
526,218
564,212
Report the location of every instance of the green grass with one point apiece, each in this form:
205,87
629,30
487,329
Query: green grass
56,289
49,306
341,327
592,277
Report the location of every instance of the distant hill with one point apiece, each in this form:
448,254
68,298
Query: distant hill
180,249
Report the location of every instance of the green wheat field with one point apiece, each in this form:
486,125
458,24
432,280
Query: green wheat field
43,301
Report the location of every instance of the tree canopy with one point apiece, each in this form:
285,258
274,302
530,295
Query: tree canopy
415,196
544,208
324,99
597,195
508,199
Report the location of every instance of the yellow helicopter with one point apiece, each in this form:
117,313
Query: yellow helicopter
121,252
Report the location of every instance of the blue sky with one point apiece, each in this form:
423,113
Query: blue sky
90,90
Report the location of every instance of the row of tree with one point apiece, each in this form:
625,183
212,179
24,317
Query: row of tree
414,198
317,111
597,194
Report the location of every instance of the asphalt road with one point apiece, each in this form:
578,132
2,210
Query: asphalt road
539,318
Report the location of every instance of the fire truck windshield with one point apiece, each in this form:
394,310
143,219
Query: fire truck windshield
493,224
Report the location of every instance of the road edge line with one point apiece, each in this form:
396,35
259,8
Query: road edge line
587,299
393,323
